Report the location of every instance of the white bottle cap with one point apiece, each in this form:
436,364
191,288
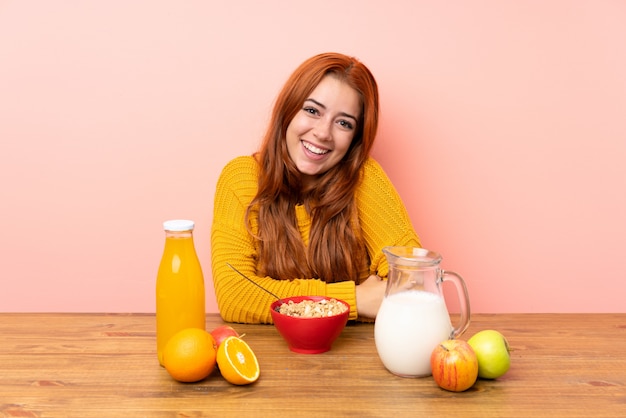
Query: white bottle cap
178,225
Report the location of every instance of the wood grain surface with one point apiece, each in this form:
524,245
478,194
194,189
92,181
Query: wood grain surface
105,365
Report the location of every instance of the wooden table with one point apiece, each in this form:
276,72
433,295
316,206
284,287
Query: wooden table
100,365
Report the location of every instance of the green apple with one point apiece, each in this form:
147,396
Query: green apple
492,351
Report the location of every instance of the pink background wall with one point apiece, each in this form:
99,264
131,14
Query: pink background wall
503,128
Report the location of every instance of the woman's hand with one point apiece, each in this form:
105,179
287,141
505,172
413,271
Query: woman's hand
369,296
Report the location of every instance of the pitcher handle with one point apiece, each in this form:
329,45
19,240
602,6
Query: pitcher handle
464,304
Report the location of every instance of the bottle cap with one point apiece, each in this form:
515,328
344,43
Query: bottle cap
178,225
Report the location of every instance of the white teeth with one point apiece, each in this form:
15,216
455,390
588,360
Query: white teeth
314,149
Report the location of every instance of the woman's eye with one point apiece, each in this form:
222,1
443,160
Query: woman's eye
311,110
346,124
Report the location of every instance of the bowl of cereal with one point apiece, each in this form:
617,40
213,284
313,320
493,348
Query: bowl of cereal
310,324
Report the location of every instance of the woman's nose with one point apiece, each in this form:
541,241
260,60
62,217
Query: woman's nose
322,130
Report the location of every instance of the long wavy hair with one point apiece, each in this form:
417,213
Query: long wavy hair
336,251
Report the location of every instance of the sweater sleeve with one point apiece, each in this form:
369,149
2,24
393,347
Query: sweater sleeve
239,300
383,217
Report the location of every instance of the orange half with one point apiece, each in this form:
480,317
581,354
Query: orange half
237,362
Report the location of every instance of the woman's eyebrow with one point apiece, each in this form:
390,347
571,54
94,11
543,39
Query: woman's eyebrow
347,115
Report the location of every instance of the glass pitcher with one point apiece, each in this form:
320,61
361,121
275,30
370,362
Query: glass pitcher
413,317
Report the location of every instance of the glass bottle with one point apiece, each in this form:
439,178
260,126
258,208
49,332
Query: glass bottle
180,297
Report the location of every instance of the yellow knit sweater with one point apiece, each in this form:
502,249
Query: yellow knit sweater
382,215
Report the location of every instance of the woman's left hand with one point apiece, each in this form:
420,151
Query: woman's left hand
369,296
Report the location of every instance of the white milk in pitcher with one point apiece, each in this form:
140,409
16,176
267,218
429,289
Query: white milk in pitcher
409,325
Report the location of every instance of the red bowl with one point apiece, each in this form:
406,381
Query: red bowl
309,335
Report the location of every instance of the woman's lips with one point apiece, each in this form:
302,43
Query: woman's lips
314,150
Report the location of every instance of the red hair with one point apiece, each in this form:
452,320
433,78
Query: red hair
336,251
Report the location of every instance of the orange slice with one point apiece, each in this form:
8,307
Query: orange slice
237,362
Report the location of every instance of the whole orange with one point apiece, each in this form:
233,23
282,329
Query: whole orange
189,356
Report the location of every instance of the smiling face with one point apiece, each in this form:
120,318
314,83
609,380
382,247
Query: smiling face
321,132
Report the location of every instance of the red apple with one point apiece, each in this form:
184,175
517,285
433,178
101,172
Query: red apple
222,332
454,365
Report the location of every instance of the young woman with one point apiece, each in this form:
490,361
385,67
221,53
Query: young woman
309,213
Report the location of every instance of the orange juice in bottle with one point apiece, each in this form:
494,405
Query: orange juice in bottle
180,285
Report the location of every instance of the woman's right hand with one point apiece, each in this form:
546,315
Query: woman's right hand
369,296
